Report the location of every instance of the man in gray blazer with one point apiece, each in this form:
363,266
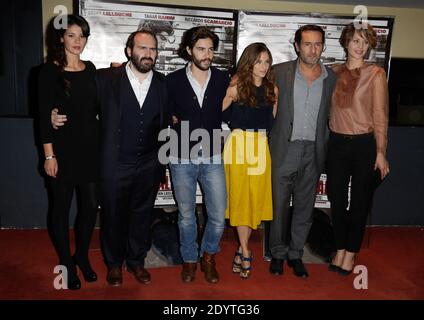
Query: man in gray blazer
298,142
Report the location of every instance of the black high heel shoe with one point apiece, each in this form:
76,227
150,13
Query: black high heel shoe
345,272
333,267
74,284
72,280
86,270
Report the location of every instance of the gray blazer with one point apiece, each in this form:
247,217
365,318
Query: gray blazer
281,131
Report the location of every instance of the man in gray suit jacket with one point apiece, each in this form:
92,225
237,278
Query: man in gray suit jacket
298,146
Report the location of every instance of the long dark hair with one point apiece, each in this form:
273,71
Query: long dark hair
55,48
246,89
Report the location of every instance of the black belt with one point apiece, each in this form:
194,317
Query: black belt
352,136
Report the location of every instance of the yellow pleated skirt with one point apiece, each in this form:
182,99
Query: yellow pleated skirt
247,164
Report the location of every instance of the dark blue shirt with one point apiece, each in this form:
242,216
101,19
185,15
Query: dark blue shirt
252,118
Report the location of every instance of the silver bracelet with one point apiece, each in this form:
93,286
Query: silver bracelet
50,157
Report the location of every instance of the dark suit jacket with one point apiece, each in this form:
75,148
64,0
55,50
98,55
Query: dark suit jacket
282,129
108,89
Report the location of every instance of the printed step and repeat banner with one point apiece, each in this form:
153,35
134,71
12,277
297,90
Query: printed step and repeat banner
277,31
112,22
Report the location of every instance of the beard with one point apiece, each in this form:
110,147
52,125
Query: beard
142,65
198,63
310,60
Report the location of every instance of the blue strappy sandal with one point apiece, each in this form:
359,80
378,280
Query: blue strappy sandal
237,265
245,272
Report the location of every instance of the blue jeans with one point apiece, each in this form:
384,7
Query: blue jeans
212,181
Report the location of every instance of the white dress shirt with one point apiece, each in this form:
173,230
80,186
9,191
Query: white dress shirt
140,88
198,89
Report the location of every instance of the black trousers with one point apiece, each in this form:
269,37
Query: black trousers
127,211
84,225
351,157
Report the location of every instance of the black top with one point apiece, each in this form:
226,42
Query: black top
252,118
76,143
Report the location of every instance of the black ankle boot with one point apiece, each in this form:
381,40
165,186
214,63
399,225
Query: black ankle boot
86,270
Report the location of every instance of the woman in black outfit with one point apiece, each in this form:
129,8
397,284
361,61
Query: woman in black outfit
68,84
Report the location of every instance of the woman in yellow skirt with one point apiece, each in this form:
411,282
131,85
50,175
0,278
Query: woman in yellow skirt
252,101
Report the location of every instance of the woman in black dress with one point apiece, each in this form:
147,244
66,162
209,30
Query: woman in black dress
68,84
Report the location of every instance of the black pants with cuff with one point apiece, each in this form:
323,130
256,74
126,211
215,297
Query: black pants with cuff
351,157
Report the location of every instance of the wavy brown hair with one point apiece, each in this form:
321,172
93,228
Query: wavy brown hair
365,31
246,89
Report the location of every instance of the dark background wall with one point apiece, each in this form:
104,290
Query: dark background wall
21,45
23,194
400,198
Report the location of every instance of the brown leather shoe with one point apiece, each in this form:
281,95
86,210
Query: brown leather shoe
140,274
188,274
114,276
207,265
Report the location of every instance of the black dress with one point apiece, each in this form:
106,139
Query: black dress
76,143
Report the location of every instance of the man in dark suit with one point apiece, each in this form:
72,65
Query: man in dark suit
195,95
298,142
133,108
